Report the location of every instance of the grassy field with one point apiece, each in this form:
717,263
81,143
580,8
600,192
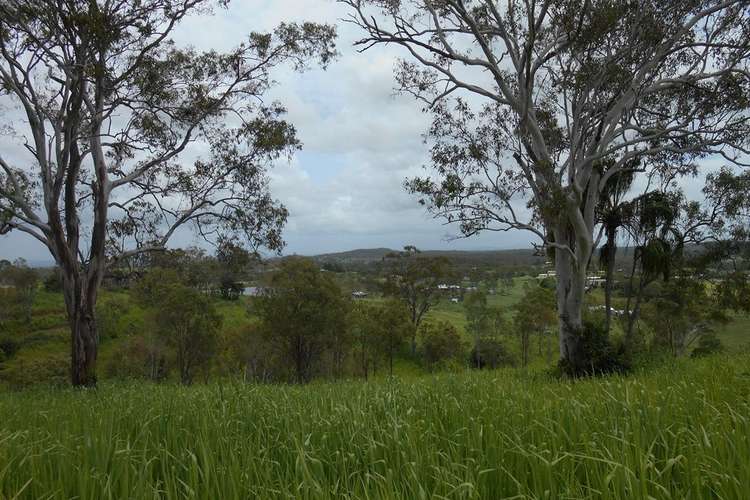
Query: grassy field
679,431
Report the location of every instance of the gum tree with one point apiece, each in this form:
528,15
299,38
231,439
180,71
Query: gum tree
110,109
539,103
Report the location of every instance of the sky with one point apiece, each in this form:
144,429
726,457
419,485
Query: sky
344,190
361,140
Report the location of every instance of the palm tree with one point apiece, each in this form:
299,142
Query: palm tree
613,212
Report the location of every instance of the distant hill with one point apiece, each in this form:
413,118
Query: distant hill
515,257
359,256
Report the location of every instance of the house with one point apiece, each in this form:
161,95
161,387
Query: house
252,291
615,312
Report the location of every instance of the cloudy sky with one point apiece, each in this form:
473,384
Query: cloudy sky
344,190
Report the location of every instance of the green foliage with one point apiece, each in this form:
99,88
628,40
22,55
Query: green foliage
181,328
679,431
54,281
111,312
414,279
24,282
441,344
303,314
8,347
602,354
31,367
707,345
684,311
535,313
153,287
491,354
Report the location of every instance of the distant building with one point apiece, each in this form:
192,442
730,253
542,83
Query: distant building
616,312
252,291
595,282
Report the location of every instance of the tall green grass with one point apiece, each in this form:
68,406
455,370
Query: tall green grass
680,431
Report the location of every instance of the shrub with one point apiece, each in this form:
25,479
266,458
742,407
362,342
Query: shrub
602,355
110,311
440,343
32,368
707,345
54,281
8,347
490,353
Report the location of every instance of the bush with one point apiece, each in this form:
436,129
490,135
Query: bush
8,347
440,343
110,311
602,356
707,345
490,353
141,356
32,368
54,281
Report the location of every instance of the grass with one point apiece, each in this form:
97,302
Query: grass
679,431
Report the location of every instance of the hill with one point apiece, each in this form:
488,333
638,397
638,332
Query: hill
498,258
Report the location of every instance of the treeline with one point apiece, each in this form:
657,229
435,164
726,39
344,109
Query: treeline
301,327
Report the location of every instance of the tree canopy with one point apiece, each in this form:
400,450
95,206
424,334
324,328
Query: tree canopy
111,106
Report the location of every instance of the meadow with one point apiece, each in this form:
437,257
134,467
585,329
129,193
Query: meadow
678,431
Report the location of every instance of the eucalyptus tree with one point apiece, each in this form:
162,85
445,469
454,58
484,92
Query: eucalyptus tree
415,279
111,108
538,104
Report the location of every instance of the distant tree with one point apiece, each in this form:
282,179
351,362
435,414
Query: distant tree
232,260
111,106
490,353
110,312
707,344
394,328
153,287
532,100
302,312
414,279
333,266
245,352
483,322
25,281
664,224
733,292
491,280
534,314
53,282
189,324
364,326
441,343
683,314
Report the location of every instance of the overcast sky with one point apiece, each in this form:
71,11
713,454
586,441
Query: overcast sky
344,190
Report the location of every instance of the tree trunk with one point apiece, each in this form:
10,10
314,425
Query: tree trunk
84,335
571,284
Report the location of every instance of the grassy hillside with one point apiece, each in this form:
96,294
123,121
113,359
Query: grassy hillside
681,431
